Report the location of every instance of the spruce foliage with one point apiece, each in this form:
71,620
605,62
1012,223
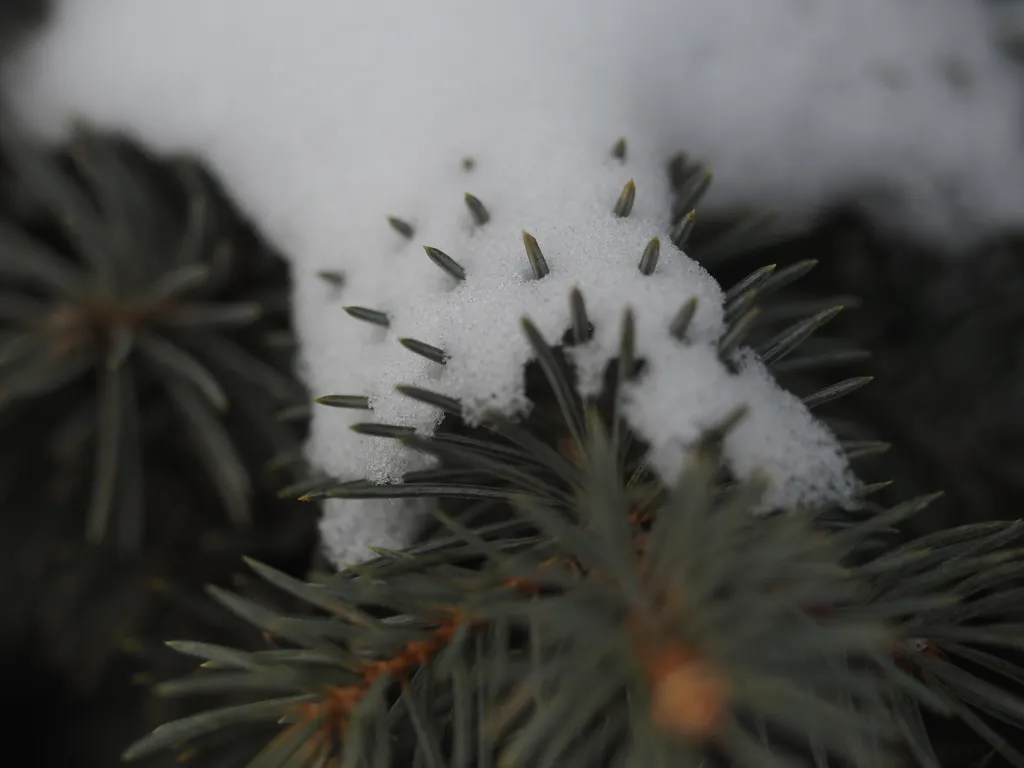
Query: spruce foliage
130,288
136,319
614,620
572,608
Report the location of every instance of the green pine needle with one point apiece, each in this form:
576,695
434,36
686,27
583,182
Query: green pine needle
538,264
624,205
477,210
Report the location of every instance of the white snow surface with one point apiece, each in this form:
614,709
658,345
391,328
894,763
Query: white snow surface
567,205
313,111
323,117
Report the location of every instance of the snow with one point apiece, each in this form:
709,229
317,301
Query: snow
910,104
567,205
324,121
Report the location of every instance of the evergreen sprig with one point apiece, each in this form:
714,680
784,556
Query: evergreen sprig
620,621
122,283
576,609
